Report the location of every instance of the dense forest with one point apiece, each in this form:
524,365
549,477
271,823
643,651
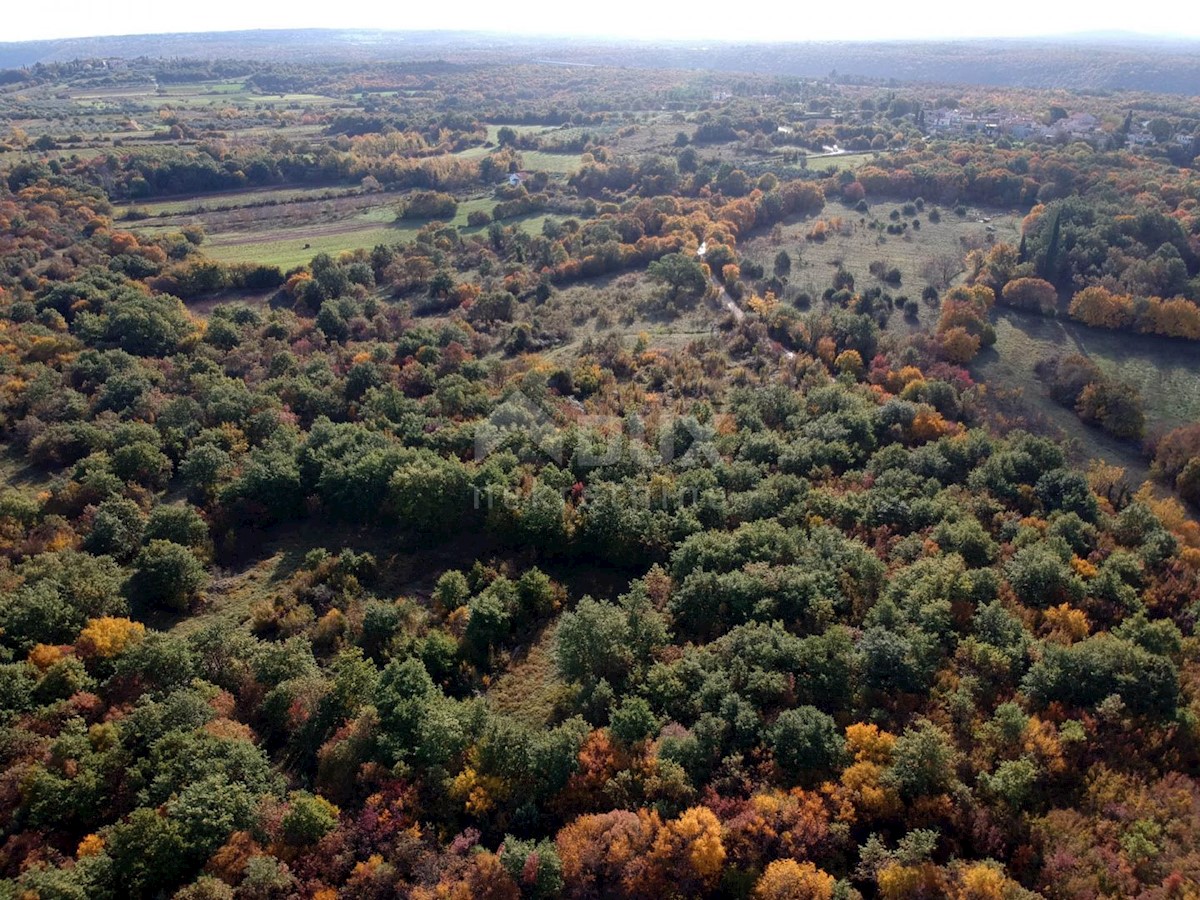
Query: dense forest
633,522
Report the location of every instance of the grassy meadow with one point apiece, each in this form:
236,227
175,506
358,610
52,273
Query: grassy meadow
857,245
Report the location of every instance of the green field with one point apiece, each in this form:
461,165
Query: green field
288,248
205,88
820,163
21,476
555,163
494,130
533,160
231,200
287,245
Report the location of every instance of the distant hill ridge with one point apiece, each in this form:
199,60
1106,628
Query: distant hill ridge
1096,61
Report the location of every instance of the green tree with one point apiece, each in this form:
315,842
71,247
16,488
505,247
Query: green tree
679,272
143,463
418,724
806,743
1089,672
430,494
308,819
783,264
924,760
535,865
633,721
179,523
148,854
208,811
116,528
1051,264
167,575
204,468
592,642
147,324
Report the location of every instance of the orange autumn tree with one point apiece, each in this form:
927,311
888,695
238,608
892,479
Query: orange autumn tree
928,425
688,853
1034,294
1172,318
483,877
633,855
1101,308
778,824
958,345
603,855
861,794
963,325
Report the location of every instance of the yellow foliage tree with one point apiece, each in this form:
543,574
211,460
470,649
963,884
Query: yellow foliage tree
984,881
860,795
869,743
696,837
786,879
928,425
1173,318
1065,625
89,846
897,881
108,636
849,362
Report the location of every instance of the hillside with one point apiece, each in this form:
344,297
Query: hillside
498,479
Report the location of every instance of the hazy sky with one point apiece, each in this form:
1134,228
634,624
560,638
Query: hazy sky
746,20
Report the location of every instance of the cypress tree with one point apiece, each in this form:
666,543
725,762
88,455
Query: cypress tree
1050,263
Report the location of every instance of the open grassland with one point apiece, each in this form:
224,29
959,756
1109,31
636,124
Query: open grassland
18,474
1165,371
202,88
291,247
263,569
1021,341
855,246
10,158
626,306
531,690
837,161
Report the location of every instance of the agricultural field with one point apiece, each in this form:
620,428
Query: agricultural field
554,163
295,230
224,202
